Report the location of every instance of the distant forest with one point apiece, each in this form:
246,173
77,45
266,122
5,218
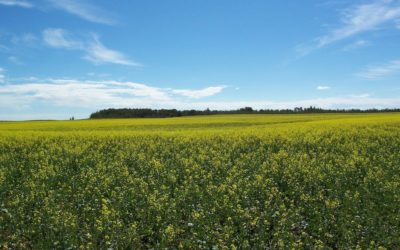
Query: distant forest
163,113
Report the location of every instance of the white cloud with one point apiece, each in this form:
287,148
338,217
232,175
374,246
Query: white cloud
137,89
201,93
16,3
375,72
356,45
98,75
73,93
348,101
95,95
60,38
365,95
92,94
323,88
26,38
362,18
94,50
83,10
360,43
2,76
97,53
356,20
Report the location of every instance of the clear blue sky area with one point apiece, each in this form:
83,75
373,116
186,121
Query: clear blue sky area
62,58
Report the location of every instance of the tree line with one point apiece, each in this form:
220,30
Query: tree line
164,113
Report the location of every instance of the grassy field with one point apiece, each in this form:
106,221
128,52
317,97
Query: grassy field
317,181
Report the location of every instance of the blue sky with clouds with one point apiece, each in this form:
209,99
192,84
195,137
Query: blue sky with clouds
62,58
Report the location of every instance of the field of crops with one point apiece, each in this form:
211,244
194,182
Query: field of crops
207,182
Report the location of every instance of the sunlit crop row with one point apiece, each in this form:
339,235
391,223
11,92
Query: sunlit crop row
236,182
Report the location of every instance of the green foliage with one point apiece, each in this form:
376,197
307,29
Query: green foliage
163,113
220,182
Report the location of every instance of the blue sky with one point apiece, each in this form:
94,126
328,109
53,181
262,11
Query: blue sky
62,58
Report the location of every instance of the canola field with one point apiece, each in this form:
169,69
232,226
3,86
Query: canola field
315,181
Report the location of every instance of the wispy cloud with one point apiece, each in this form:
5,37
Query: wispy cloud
92,94
356,45
347,101
74,93
26,38
97,53
376,72
355,20
323,87
2,76
84,10
16,3
362,18
201,93
94,50
60,38
365,95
